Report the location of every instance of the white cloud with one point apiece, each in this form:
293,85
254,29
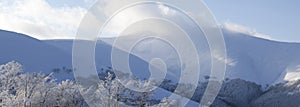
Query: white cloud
130,16
244,29
40,20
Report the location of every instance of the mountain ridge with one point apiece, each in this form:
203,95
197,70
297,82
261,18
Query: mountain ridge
259,60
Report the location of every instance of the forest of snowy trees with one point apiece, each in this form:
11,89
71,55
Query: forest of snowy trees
23,89
20,89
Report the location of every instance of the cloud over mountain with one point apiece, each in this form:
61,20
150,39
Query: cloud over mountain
244,30
39,19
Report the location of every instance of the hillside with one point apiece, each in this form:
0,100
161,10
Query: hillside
35,55
249,58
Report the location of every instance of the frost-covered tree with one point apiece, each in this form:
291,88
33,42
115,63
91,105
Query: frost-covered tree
141,98
112,93
34,89
67,94
8,83
109,91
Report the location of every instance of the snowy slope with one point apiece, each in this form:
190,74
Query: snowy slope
46,56
249,58
259,60
103,58
33,54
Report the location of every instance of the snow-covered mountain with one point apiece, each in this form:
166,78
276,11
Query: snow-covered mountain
55,55
253,59
249,58
258,60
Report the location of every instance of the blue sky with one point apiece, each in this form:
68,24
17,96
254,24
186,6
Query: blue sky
72,3
277,19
